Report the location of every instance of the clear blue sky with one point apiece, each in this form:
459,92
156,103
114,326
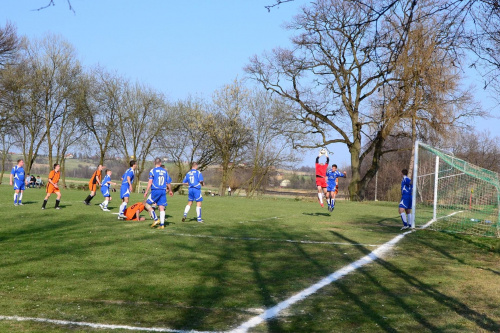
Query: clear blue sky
179,47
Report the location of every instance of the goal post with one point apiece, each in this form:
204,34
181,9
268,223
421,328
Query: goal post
453,195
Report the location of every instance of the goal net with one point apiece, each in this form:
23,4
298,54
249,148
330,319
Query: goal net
456,196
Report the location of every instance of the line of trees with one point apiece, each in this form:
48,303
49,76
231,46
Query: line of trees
372,75
51,105
364,73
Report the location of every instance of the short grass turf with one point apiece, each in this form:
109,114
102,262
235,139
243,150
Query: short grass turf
81,264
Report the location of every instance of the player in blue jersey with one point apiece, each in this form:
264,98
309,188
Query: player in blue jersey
126,188
406,200
159,183
105,187
332,176
194,179
17,179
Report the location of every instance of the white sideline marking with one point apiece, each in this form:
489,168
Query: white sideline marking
93,325
372,256
439,218
275,310
272,240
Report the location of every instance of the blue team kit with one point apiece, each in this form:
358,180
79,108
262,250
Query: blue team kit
194,179
160,180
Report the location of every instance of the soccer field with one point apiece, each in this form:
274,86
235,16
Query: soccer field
81,265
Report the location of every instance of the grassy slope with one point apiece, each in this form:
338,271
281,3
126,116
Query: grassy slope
82,264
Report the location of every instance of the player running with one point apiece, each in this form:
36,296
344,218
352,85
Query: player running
53,187
194,179
105,186
126,188
333,188
406,200
159,183
94,181
18,180
321,175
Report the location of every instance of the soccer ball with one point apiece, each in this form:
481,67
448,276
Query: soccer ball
322,151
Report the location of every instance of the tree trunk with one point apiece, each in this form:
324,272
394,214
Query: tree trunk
356,176
226,170
63,171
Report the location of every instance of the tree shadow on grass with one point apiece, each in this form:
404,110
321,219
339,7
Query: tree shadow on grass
485,245
265,291
210,290
368,310
481,320
470,241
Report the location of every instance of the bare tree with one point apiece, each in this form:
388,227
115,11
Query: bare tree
6,142
68,131
463,25
330,74
484,42
53,3
481,149
142,117
273,136
426,94
100,96
346,76
187,140
227,130
21,92
56,69
9,44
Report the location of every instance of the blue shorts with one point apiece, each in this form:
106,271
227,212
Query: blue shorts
157,196
194,194
124,191
19,185
105,192
405,203
331,188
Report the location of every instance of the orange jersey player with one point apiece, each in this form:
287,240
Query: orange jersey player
133,212
94,181
53,187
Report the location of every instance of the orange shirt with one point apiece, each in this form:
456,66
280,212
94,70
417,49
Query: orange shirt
96,177
130,212
54,176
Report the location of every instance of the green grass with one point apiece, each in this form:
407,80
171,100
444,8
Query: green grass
81,264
